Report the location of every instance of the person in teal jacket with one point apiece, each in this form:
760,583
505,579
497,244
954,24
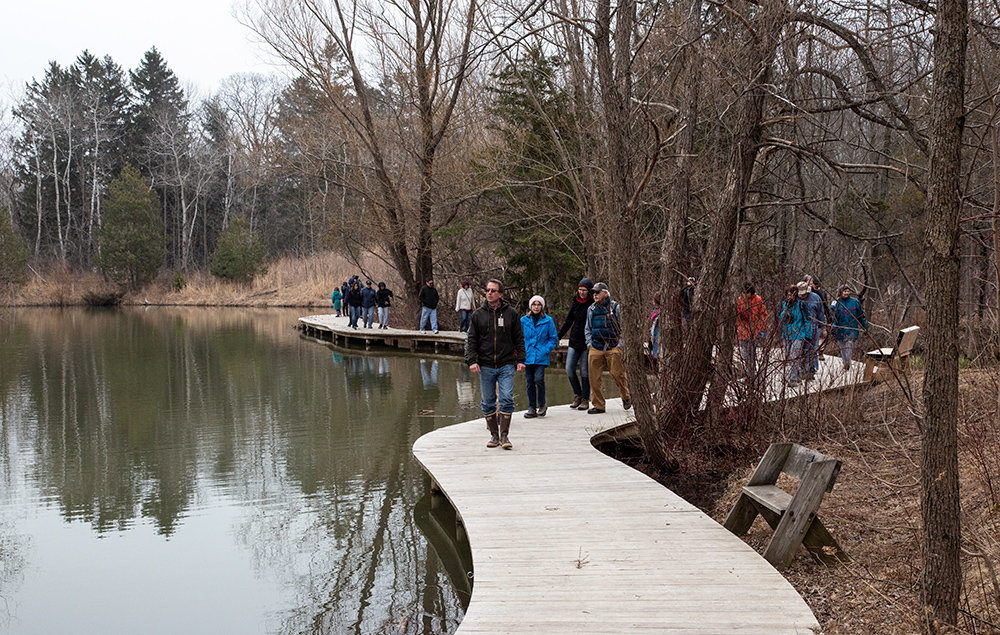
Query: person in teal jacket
540,339
848,321
336,296
796,330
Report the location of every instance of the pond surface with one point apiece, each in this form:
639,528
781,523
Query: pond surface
170,470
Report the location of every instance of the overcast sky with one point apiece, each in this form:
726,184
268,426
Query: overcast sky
200,40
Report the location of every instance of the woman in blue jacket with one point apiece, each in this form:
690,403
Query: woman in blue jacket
539,340
848,320
796,330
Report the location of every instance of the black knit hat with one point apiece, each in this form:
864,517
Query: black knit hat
586,282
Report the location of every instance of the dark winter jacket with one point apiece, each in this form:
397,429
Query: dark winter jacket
368,297
383,298
495,338
354,297
429,297
539,339
576,322
604,325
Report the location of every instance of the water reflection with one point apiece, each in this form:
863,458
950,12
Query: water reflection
209,471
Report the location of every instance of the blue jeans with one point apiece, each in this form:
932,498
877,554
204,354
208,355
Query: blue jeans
432,314
577,359
534,377
369,312
383,316
464,326
355,314
798,357
846,347
489,379
748,351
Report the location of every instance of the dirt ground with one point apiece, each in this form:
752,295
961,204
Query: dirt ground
874,509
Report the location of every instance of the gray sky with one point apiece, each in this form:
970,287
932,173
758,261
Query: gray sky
200,40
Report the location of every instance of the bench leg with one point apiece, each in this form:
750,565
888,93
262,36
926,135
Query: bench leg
798,518
822,545
741,516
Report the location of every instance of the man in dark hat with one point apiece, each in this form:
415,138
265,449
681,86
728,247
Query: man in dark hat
368,304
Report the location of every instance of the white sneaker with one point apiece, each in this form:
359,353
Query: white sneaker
435,332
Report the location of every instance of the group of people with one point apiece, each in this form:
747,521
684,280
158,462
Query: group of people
499,344
361,302
807,320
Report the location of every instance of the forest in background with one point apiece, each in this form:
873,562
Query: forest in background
474,145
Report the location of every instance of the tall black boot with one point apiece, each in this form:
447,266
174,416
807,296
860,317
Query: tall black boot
504,429
491,425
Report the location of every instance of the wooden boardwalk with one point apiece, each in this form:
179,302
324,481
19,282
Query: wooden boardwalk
335,329
568,540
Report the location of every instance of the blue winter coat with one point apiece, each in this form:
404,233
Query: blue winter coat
539,339
848,318
795,321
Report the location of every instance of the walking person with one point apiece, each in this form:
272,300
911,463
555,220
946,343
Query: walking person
577,366
354,304
848,321
494,348
336,297
465,302
383,300
654,333
796,329
751,324
429,298
687,301
368,304
816,312
603,332
539,340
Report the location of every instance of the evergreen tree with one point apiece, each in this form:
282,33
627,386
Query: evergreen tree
542,242
158,93
239,256
13,253
131,243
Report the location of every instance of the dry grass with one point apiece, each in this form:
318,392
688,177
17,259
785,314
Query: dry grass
874,510
289,282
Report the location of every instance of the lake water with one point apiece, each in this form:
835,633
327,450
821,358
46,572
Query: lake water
171,470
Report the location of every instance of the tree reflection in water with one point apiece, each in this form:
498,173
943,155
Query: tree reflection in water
172,418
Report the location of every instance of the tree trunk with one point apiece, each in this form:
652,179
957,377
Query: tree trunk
688,372
939,488
621,214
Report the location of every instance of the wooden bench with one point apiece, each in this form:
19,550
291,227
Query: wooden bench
793,518
883,363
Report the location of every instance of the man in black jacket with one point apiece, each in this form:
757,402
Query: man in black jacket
494,348
383,300
576,355
429,306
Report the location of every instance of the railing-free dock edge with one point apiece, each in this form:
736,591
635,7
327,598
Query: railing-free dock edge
568,540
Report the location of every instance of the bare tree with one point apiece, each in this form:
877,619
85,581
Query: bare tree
395,72
939,482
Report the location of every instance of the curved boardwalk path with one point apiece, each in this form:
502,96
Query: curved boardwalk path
568,540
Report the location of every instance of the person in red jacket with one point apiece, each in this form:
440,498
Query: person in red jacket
751,324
